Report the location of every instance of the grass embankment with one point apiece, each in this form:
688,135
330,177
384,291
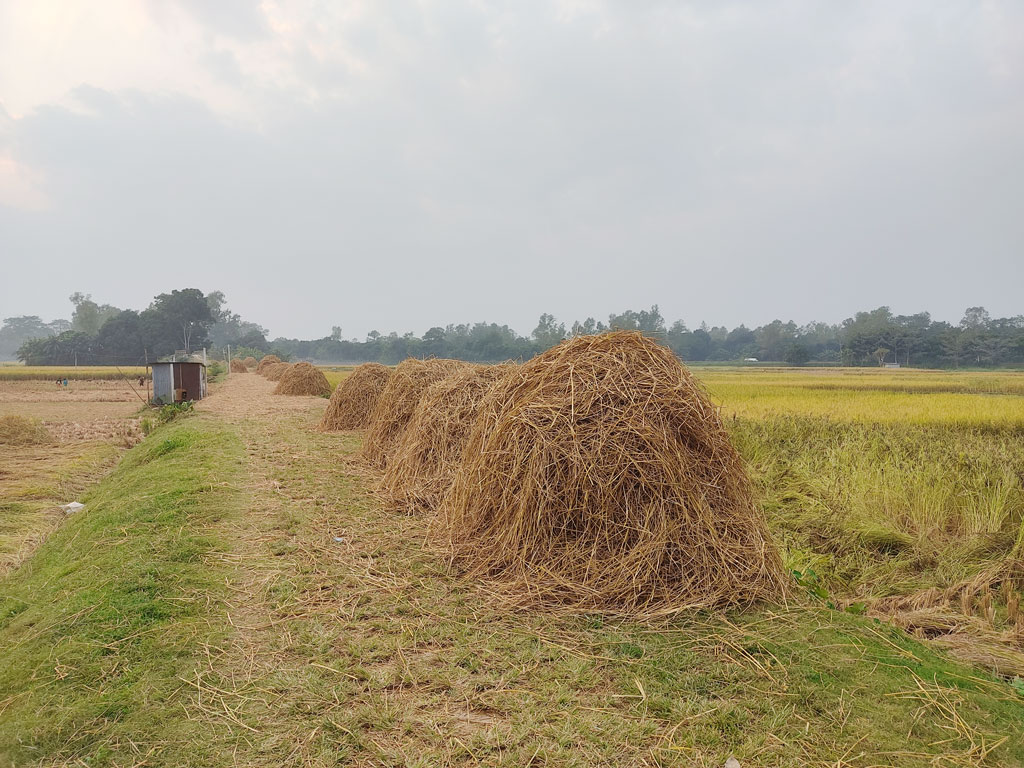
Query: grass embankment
99,627
327,633
34,482
70,372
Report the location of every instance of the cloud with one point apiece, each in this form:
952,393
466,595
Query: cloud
408,164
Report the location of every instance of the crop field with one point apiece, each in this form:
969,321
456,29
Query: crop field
14,372
82,430
238,593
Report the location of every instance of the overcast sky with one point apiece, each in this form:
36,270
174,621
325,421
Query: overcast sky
398,165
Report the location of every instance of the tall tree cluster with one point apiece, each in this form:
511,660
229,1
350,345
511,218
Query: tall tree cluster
189,320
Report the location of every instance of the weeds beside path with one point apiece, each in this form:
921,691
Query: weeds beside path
306,626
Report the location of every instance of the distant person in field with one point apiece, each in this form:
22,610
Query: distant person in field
65,382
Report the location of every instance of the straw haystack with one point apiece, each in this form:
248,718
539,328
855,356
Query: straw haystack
303,379
397,402
266,362
354,398
249,362
275,371
601,476
237,366
427,456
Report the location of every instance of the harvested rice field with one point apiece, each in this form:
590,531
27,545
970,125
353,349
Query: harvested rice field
78,434
243,588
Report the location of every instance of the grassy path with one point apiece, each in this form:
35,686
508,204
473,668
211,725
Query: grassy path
235,596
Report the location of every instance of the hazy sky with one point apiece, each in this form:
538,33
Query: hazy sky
397,165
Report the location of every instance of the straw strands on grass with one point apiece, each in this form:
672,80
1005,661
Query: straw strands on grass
275,371
397,403
237,366
266,362
355,398
600,476
430,451
303,379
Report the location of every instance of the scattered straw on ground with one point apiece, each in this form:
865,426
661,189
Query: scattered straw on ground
355,398
428,455
397,402
599,475
266,362
303,379
18,430
237,366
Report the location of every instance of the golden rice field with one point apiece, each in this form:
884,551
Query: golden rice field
14,372
904,396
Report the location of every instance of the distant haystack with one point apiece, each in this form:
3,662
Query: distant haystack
354,398
275,371
266,362
303,379
430,450
237,366
397,402
249,362
600,476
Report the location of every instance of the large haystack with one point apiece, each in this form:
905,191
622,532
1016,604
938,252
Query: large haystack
237,366
430,450
249,362
303,379
601,476
397,402
266,362
275,371
354,398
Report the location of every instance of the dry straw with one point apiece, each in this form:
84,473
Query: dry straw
355,398
266,362
18,430
303,379
397,402
599,475
275,371
430,451
237,366
249,362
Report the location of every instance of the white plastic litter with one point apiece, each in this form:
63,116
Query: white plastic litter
74,506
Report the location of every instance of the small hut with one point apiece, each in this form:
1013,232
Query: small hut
178,379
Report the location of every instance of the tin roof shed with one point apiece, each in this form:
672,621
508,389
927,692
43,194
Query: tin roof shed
176,381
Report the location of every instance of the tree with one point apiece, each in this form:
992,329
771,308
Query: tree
548,332
647,321
177,320
89,316
880,354
797,354
120,339
17,330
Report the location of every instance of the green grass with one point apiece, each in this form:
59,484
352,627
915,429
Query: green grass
235,595
101,624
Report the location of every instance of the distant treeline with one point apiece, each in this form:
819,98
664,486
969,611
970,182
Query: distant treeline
188,319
